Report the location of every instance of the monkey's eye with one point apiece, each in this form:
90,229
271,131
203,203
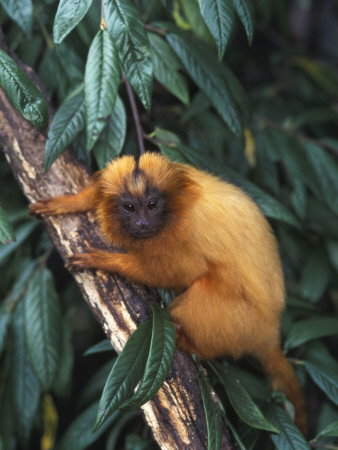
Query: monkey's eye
128,207
153,204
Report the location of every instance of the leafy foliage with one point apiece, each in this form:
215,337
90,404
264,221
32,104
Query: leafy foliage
256,106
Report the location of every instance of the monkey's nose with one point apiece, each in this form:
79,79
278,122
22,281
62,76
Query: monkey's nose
142,225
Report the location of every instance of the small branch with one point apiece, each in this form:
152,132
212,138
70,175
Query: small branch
103,25
323,445
136,116
291,132
161,31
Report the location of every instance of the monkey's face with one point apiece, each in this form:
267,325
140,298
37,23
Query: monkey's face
142,216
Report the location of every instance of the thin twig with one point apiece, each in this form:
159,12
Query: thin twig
292,132
136,116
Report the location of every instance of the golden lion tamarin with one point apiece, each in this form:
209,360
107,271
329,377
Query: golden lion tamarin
187,230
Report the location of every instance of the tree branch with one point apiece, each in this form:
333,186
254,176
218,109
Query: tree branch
175,414
136,116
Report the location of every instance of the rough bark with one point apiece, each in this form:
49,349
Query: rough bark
175,415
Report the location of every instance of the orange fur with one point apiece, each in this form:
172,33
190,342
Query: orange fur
215,247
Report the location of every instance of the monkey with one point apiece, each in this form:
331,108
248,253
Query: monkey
184,229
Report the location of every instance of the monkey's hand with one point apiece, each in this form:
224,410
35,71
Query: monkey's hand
46,206
93,259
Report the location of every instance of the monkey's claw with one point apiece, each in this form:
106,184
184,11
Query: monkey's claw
80,261
40,207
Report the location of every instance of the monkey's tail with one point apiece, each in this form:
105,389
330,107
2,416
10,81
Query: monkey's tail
283,377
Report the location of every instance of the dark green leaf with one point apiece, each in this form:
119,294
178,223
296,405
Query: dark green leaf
67,123
102,79
218,15
5,319
79,435
22,92
21,11
236,89
126,373
326,170
25,384
329,430
309,329
332,248
66,361
325,377
95,385
102,346
212,414
68,15
161,354
315,275
25,272
245,12
136,442
42,327
131,40
166,67
6,230
289,436
22,232
241,401
206,73
111,140
120,424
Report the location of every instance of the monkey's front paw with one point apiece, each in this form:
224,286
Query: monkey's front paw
41,207
81,261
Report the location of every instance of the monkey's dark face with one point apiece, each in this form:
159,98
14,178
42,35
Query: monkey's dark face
142,216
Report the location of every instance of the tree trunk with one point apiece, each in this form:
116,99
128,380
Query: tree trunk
175,414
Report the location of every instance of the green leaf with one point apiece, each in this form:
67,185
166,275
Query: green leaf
22,93
23,276
79,435
326,170
218,16
289,436
131,40
102,79
102,346
329,430
315,275
235,88
6,230
332,249
241,401
68,15
166,68
21,11
161,354
66,361
94,387
125,374
67,123
22,233
207,74
245,12
111,140
5,320
42,327
25,384
309,329
325,377
212,414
